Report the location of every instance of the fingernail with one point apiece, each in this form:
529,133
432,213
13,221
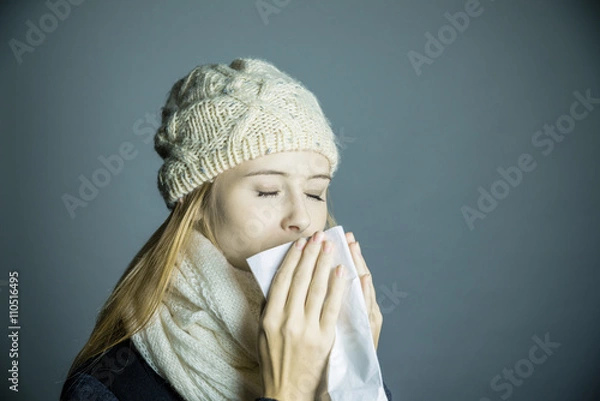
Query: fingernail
300,243
340,271
351,235
327,247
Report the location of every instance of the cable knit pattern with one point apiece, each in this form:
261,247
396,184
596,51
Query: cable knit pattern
204,335
221,115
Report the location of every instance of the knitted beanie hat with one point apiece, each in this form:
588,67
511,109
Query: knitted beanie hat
219,116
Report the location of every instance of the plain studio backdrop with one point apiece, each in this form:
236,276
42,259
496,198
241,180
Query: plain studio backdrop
469,173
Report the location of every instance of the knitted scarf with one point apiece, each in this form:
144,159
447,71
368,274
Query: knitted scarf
203,337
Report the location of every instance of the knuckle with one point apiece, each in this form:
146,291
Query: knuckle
327,314
269,325
377,317
280,278
289,328
297,283
317,289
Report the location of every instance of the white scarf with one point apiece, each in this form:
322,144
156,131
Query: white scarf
203,337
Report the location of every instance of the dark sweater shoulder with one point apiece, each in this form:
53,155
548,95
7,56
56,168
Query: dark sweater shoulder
120,374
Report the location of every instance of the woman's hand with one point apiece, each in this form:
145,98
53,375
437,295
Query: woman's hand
297,327
366,282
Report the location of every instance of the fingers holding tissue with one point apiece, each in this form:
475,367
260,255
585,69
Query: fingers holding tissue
366,282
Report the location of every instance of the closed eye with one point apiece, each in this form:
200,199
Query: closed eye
272,194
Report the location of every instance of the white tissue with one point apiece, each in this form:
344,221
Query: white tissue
353,372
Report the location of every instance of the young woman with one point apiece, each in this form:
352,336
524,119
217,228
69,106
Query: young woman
248,159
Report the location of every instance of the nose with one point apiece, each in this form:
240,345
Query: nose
296,217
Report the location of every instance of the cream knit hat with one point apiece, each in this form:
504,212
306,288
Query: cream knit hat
220,115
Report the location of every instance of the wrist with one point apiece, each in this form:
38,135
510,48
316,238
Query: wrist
269,396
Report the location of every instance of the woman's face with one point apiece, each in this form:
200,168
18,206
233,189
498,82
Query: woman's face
269,201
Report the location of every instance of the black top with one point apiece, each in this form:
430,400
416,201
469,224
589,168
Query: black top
122,374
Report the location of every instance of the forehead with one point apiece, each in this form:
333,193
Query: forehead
295,163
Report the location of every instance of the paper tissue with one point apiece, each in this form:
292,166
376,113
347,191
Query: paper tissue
353,372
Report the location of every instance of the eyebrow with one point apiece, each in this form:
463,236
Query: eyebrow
273,172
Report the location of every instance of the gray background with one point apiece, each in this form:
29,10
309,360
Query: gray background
467,303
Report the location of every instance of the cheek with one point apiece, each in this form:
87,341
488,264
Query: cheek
254,212
240,225
229,207
320,217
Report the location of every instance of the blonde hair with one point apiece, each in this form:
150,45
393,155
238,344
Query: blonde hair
141,288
